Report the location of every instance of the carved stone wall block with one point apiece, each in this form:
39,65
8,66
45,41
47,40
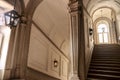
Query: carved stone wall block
64,68
38,53
54,62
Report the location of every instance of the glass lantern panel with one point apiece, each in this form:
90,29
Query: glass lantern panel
7,20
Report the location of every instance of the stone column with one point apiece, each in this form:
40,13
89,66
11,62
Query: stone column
75,13
19,62
21,50
10,56
12,68
18,49
115,40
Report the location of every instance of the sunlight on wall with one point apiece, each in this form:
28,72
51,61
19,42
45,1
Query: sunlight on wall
4,32
4,35
119,38
4,47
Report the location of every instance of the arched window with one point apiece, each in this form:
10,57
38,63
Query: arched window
102,31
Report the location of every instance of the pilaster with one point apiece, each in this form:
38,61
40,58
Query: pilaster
18,69
75,12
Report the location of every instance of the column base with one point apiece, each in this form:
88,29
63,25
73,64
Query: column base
74,77
17,79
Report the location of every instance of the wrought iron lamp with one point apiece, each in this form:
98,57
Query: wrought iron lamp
90,31
12,17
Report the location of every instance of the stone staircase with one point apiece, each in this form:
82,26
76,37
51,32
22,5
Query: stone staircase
105,63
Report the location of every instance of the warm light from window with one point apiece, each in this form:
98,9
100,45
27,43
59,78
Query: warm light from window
101,27
119,38
103,33
6,35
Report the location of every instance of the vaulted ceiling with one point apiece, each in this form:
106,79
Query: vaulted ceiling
110,9
94,5
103,12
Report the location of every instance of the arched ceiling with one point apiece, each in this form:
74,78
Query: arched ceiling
95,4
102,22
103,12
26,2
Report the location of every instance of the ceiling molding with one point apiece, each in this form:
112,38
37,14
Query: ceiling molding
102,18
101,8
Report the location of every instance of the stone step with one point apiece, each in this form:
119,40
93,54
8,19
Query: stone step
105,63
103,76
101,64
109,72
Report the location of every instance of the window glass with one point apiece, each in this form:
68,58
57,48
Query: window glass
102,28
100,38
102,33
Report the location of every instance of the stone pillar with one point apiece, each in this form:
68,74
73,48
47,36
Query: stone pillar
18,50
115,40
21,50
75,13
10,55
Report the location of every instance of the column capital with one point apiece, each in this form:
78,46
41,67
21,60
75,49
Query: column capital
75,6
23,19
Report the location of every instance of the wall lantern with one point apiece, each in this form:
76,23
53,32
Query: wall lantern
90,31
12,17
55,63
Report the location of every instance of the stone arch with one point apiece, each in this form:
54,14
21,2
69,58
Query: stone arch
101,8
30,10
